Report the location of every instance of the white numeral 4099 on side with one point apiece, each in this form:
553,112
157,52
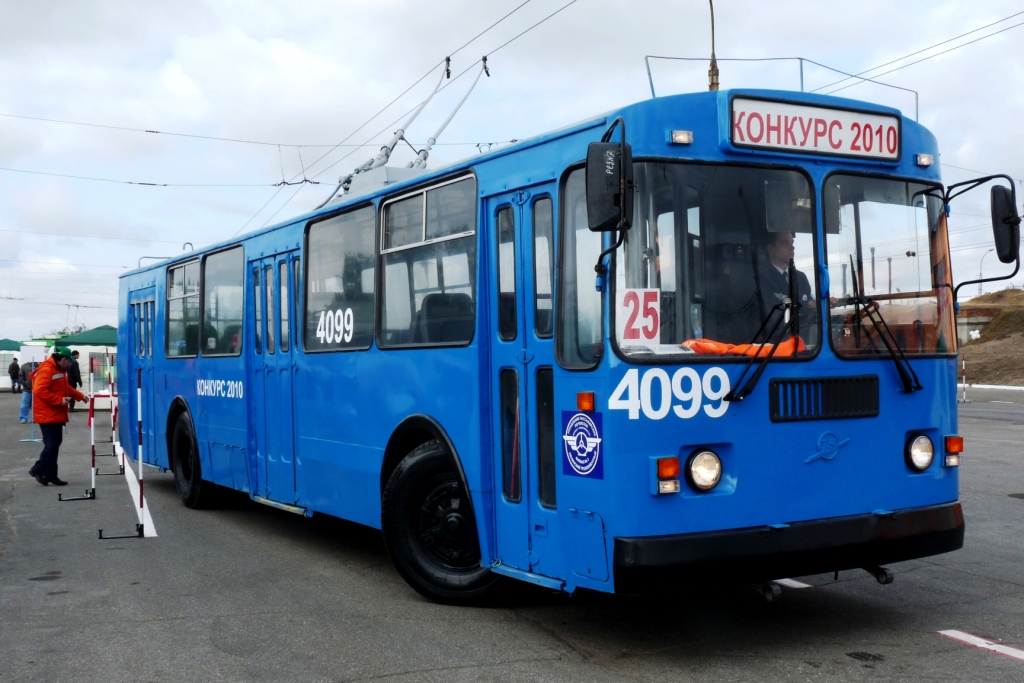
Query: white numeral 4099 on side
653,393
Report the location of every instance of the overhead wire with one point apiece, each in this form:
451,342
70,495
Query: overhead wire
937,54
455,78
90,237
420,79
907,56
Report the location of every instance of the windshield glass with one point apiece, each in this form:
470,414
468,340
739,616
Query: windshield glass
710,256
886,243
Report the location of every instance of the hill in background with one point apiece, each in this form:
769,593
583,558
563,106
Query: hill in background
998,356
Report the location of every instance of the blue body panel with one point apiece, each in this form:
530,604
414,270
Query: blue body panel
343,407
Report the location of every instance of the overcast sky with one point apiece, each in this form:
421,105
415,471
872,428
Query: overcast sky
311,73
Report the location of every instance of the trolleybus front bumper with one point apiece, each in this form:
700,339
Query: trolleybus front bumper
764,553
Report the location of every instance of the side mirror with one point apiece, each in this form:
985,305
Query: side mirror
610,183
1005,223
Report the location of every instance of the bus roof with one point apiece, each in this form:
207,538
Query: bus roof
703,103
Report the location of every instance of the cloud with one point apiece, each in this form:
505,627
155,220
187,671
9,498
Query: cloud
313,74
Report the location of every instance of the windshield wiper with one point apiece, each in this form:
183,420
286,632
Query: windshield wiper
866,307
789,309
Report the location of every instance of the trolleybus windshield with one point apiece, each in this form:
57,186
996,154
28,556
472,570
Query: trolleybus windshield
886,244
710,257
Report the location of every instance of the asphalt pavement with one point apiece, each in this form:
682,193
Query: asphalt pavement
249,593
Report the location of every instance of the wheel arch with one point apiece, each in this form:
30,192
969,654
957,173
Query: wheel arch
179,406
414,431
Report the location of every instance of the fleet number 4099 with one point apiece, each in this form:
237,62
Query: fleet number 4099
654,394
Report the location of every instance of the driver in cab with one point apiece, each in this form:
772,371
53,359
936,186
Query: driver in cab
776,273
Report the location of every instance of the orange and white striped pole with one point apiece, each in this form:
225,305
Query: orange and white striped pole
139,390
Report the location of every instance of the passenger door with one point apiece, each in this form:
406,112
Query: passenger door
521,234
272,371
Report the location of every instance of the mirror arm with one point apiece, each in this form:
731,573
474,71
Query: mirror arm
986,279
950,195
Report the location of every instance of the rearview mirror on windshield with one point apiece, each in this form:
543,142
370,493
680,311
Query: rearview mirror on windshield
610,183
1005,224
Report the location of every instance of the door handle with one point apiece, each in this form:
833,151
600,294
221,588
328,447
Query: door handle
524,356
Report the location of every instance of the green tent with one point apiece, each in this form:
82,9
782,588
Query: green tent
104,335
9,345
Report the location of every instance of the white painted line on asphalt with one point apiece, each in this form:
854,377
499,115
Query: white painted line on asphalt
1010,402
1011,652
990,386
791,583
148,528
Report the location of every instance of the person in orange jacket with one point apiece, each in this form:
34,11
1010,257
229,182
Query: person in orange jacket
52,394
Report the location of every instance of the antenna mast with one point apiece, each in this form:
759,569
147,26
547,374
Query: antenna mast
713,71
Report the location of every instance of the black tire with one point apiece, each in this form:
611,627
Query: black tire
429,530
188,474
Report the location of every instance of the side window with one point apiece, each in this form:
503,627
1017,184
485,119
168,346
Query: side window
150,320
580,341
257,298
268,279
296,290
283,280
136,330
223,275
543,265
507,317
340,281
183,310
429,262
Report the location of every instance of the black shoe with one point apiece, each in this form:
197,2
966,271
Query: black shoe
57,481
40,478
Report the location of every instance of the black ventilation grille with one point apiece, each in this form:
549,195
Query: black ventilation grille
823,398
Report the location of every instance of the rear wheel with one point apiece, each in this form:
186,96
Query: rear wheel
188,476
429,530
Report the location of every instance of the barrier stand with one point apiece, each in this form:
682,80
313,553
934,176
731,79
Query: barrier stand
32,421
963,368
120,469
139,402
90,494
140,527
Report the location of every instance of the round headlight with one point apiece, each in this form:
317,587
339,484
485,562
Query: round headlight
920,452
703,470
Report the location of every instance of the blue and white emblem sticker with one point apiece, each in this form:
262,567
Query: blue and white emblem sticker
581,437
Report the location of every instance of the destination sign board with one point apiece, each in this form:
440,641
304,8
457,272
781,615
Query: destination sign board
785,126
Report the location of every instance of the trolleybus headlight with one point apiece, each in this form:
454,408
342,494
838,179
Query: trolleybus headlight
920,452
703,470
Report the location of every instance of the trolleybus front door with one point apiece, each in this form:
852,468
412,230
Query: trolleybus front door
520,289
272,374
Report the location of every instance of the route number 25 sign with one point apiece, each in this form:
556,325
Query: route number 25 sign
638,317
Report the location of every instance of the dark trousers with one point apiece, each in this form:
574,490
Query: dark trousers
53,435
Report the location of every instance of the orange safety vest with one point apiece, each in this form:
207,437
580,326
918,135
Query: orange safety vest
710,347
49,389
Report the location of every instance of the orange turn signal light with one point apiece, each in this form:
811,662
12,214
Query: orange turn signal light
668,468
954,444
585,401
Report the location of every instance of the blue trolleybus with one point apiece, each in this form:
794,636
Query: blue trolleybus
709,335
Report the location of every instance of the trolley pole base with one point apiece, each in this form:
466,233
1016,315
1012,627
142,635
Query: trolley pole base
139,529
90,494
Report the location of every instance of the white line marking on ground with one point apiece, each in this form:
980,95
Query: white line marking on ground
1011,652
1010,402
148,528
791,583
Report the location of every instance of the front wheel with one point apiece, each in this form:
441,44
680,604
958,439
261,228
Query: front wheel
429,530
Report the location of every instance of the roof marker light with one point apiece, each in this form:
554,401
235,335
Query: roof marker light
925,160
682,137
